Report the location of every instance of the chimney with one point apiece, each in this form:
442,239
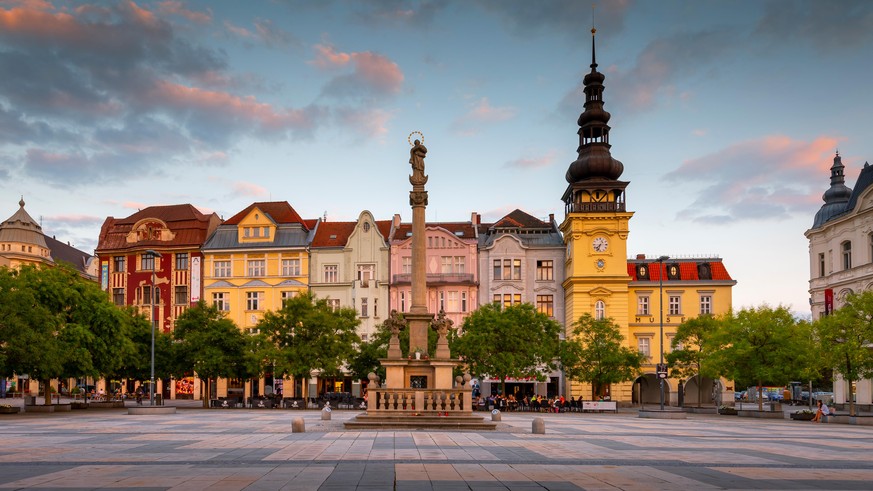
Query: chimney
475,218
396,220
641,257
551,218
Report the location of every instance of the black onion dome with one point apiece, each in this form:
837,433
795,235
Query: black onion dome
594,162
837,196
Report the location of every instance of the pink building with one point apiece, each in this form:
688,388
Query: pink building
452,268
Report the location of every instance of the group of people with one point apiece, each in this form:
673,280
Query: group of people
534,402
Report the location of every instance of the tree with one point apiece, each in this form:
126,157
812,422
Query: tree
211,344
512,342
306,335
136,363
691,350
845,338
595,354
761,344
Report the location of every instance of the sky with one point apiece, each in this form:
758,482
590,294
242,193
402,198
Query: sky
726,113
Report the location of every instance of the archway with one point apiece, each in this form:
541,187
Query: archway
702,391
647,390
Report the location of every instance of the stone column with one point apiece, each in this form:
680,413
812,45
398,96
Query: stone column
418,317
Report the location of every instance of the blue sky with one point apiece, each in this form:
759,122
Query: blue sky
726,114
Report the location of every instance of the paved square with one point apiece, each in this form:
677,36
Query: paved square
255,450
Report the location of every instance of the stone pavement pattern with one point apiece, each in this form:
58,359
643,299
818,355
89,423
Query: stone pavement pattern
255,450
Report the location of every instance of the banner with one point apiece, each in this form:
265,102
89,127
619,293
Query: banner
104,275
829,301
195,279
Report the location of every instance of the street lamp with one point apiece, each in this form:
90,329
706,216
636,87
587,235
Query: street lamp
154,255
661,335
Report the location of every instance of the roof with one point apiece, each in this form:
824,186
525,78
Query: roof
67,253
336,234
687,269
531,231
21,227
189,227
461,230
227,237
278,211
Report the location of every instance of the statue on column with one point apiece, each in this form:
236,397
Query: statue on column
416,158
395,323
441,325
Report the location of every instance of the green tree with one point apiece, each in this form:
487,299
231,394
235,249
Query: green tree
691,350
596,354
136,364
762,344
307,335
845,338
511,342
211,345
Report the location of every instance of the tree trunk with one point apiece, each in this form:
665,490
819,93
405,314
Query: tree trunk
699,388
760,396
851,398
48,391
205,393
503,386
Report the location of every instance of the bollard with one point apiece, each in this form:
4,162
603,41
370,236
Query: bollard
297,426
538,426
496,416
325,414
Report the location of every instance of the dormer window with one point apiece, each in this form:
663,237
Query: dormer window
366,226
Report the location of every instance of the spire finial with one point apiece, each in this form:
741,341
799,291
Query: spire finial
21,201
593,31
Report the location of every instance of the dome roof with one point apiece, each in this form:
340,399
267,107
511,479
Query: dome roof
594,162
21,227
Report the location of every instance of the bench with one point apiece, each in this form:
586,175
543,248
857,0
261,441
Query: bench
599,406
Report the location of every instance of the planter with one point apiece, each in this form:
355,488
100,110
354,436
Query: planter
729,411
10,410
802,416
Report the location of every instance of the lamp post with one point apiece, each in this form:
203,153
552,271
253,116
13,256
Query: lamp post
155,256
661,335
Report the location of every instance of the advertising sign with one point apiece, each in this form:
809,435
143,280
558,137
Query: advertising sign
829,301
104,275
195,279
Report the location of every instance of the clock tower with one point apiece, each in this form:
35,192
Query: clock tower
596,220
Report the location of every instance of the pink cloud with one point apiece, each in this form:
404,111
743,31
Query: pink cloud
484,111
375,70
368,122
533,162
327,57
249,189
239,31
171,7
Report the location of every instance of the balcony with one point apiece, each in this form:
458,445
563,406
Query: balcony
437,279
595,207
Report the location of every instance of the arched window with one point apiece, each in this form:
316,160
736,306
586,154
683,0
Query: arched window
847,254
599,310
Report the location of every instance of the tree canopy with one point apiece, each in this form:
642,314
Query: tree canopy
845,337
306,335
691,350
596,354
508,342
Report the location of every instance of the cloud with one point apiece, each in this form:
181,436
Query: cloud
412,13
771,178
170,7
249,189
372,74
265,32
822,26
570,17
479,114
532,162
96,93
366,122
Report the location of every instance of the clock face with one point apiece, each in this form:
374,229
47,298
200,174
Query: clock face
600,244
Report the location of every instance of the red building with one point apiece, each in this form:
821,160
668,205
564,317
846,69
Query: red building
156,247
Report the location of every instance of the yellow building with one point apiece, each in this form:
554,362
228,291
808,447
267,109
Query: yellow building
601,281
253,262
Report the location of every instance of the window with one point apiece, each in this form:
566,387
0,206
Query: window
643,305
507,299
247,232
290,267
403,301
545,271
675,305
364,307
221,269
333,303
453,302
267,232
442,301
118,296
366,273
146,294
446,265
706,304
821,265
498,271
287,296
546,304
463,301
257,267
847,254
147,262
257,231
253,300
119,264
406,265
181,295
507,269
460,264
516,269
364,335
181,260
643,347
376,307
220,301
330,273
496,299
599,310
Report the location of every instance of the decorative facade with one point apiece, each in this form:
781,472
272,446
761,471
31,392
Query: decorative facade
841,255
599,280
521,260
451,268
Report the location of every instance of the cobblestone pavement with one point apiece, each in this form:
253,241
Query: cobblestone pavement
255,450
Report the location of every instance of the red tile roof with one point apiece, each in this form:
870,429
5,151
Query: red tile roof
279,211
687,270
466,229
336,234
188,224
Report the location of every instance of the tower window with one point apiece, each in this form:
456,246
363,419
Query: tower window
847,254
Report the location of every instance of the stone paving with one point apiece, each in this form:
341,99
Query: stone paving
255,450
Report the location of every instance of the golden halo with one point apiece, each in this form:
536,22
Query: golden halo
409,138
